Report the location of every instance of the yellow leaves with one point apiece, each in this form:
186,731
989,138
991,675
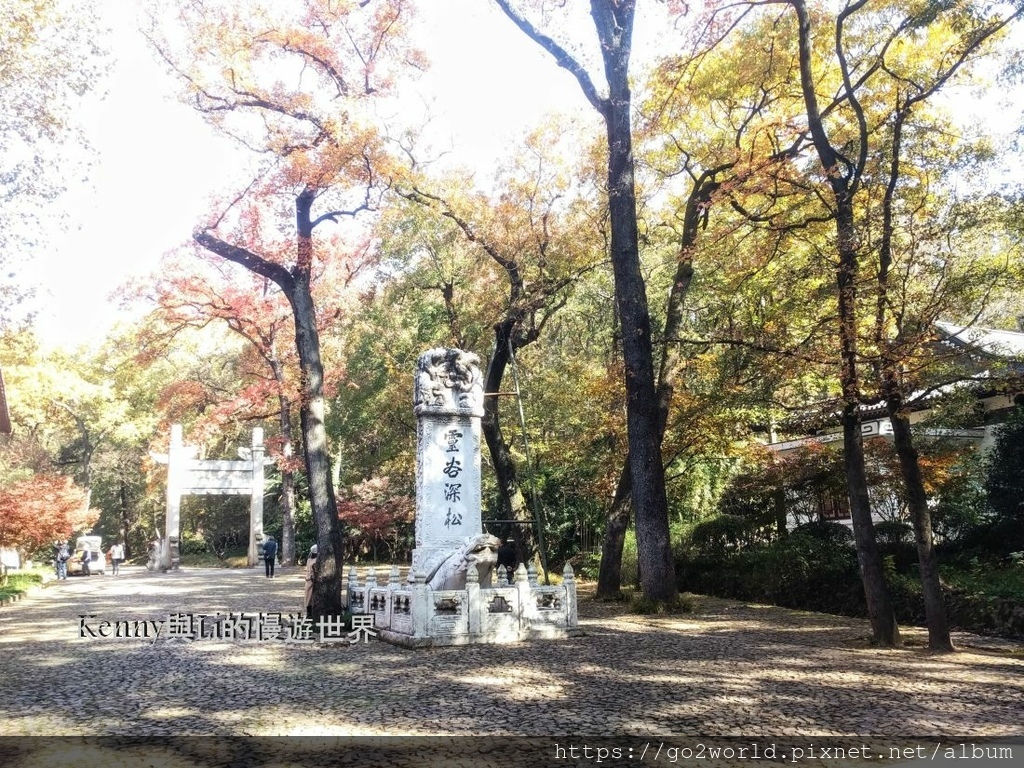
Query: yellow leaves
283,77
834,172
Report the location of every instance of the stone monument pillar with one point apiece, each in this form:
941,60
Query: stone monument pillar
448,403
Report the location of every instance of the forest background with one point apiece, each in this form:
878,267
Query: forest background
816,185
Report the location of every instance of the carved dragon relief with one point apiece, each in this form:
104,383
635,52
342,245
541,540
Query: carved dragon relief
448,380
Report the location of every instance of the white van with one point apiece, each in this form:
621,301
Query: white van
97,558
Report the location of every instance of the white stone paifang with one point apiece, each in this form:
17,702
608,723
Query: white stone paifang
187,475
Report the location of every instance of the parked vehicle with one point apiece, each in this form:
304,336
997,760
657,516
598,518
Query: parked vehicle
97,558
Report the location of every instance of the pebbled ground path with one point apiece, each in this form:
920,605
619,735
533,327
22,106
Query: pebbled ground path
726,670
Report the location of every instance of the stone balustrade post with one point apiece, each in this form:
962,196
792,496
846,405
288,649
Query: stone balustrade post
569,582
531,573
527,605
473,601
421,607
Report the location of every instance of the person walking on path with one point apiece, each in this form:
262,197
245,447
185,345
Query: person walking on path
86,560
270,555
116,557
61,557
310,566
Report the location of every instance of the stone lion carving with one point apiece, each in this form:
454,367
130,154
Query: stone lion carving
448,378
480,552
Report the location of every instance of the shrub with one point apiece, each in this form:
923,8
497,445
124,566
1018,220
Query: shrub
987,600
722,533
800,571
1004,482
192,543
587,565
826,531
645,606
893,532
896,543
995,538
22,581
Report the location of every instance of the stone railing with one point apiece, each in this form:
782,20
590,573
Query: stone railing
414,615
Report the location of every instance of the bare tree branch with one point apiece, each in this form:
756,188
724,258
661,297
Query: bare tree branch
562,57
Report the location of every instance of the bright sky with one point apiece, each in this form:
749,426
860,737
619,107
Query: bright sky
158,163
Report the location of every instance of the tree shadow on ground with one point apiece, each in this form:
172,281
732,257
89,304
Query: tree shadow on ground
732,671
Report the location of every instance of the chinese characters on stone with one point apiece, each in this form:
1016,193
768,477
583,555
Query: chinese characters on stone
453,490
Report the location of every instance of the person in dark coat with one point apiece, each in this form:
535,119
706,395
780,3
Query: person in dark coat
507,558
61,556
270,555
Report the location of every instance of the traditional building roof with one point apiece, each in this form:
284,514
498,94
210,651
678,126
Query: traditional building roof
991,342
982,345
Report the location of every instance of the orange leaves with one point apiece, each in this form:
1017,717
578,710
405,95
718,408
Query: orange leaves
348,158
182,398
373,508
40,509
290,78
938,469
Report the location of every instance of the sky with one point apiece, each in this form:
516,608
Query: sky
154,164
157,163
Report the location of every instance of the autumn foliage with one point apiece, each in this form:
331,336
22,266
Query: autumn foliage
374,514
41,509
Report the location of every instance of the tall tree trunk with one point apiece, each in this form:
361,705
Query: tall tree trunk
295,283
614,21
843,179
609,580
125,510
287,478
892,390
885,631
288,510
513,500
917,502
876,591
329,563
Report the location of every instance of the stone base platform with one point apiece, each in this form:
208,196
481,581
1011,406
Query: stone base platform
416,616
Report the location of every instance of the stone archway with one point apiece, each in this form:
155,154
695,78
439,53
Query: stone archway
187,475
